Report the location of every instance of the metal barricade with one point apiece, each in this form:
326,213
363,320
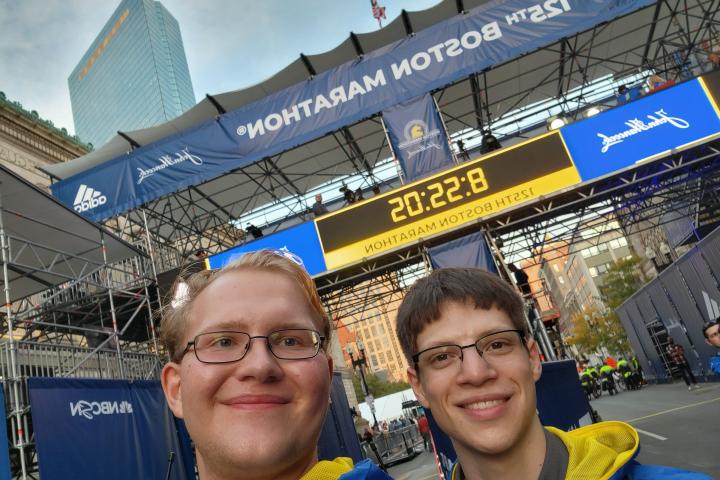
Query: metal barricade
395,446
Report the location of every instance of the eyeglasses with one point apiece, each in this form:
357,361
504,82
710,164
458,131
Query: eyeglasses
229,346
493,347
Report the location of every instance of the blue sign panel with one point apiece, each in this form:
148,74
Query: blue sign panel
646,127
301,242
487,35
418,137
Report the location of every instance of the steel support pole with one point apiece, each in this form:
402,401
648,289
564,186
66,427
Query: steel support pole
108,282
17,409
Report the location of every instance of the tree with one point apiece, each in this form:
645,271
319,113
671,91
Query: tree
377,386
594,329
622,279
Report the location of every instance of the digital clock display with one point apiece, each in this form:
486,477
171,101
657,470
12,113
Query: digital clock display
462,194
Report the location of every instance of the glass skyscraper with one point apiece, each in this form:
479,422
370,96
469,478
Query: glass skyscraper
134,75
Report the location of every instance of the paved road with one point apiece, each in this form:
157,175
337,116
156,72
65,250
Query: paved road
422,467
677,428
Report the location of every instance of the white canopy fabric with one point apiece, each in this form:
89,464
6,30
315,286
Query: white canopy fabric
389,406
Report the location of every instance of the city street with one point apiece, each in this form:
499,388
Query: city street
677,428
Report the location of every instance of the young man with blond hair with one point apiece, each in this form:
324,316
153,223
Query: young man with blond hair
249,372
474,366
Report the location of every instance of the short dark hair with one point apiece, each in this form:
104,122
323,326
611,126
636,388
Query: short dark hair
707,325
423,302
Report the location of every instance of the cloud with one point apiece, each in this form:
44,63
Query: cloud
229,44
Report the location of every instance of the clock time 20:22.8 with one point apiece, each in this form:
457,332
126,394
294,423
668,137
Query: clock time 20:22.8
435,195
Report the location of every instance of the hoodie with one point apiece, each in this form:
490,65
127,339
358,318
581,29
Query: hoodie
342,469
606,451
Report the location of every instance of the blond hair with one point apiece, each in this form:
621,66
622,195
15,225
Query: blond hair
176,313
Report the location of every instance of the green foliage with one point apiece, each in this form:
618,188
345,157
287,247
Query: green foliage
621,281
378,387
593,329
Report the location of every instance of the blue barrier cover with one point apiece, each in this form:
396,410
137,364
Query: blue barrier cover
652,125
300,242
117,430
4,454
436,56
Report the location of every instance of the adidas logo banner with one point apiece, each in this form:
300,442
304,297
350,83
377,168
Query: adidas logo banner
88,198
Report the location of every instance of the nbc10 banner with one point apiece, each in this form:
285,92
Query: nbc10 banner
417,137
109,429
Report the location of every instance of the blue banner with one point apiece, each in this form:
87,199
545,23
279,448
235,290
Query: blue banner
650,126
418,137
118,430
487,35
468,251
4,444
339,437
301,243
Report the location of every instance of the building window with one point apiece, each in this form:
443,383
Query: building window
593,271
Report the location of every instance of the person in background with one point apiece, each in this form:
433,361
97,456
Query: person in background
677,357
249,372
318,208
521,279
474,366
711,331
424,427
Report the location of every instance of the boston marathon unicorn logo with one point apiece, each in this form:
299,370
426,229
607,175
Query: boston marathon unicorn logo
418,138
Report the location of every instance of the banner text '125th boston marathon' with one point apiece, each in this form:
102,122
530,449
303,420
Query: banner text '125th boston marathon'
436,56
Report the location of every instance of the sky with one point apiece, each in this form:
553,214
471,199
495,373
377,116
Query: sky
229,44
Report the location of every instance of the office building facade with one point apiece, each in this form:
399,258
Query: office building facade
134,75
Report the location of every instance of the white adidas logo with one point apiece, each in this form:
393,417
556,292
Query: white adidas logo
712,307
88,198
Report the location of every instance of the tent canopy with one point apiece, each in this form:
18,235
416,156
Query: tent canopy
647,38
49,244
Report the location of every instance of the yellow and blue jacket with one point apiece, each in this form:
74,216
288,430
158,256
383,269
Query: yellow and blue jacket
607,451
342,469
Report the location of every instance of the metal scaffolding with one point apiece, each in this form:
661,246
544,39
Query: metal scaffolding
77,303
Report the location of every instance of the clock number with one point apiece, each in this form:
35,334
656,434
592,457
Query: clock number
454,188
396,212
435,199
410,198
477,180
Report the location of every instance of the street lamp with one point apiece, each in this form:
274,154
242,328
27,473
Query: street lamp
360,363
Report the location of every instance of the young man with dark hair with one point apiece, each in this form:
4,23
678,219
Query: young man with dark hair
474,366
711,331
